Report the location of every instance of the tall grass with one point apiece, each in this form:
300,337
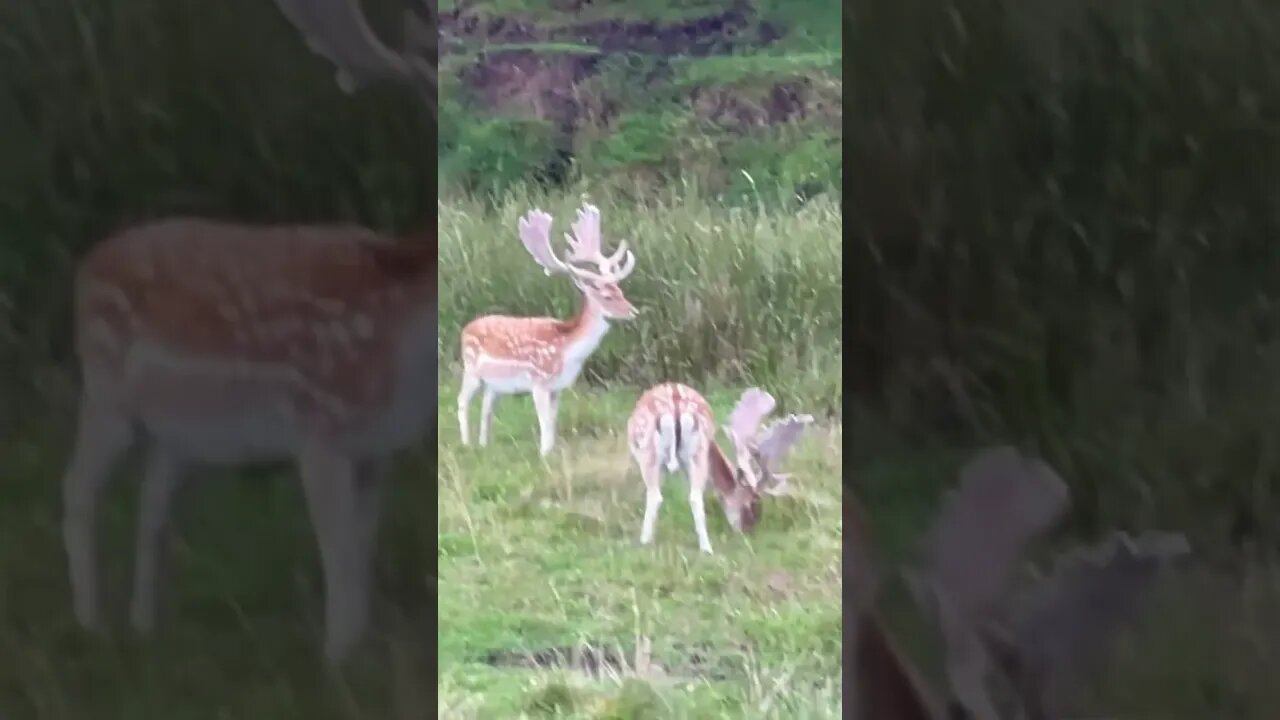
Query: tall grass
1064,232
727,295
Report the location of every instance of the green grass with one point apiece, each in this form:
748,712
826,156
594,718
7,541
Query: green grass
731,295
240,634
765,68
536,555
1201,649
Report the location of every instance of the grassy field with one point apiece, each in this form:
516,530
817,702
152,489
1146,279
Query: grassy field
240,634
538,559
546,598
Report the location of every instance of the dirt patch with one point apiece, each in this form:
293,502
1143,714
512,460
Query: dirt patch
694,661
544,83
530,84
784,101
587,660
700,36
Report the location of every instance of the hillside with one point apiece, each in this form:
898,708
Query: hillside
739,97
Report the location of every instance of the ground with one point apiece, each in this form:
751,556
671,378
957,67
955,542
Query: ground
541,559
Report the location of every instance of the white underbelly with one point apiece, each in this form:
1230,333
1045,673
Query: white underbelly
568,373
233,438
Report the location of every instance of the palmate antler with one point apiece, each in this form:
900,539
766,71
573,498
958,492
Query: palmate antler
1041,638
769,446
584,246
337,30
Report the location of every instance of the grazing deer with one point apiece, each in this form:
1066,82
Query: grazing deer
223,343
1041,637
541,355
672,428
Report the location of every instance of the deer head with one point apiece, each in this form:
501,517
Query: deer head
337,30
758,454
600,286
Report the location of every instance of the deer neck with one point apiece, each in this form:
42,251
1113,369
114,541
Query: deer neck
584,331
722,474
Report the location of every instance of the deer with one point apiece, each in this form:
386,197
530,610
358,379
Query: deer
672,428
215,342
1039,636
543,356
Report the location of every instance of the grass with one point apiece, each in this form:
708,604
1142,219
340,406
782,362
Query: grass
1201,649
543,557
240,635
538,555
728,294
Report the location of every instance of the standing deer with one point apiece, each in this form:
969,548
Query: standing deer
224,343
672,428
542,355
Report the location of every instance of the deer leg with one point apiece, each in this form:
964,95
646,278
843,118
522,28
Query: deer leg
698,470
486,414
160,483
545,407
344,526
470,384
102,437
651,472
371,489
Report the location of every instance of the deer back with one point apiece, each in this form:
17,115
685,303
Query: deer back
292,331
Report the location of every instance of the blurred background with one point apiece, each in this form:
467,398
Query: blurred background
120,111
1063,229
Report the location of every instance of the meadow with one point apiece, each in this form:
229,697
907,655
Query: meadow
547,602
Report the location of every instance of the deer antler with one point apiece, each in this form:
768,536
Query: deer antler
584,246
770,446
1052,631
535,234
1003,502
777,440
774,444
752,408
337,30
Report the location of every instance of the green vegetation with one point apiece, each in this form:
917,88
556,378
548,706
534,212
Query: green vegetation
660,94
111,113
115,112
727,295
716,155
538,555
1063,235
730,297
241,633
